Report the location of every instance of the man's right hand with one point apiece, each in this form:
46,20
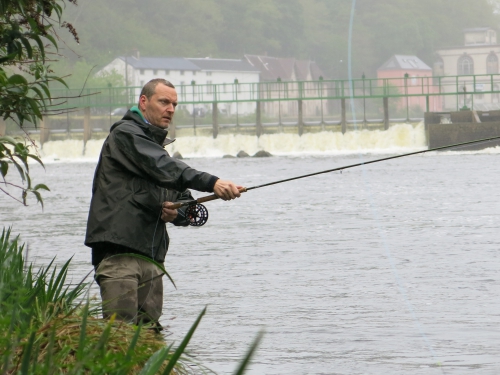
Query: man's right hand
226,190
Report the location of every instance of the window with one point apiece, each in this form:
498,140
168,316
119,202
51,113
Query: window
155,72
194,72
209,74
182,72
142,83
167,72
142,71
465,65
492,64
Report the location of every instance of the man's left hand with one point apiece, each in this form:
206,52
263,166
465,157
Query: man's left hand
168,215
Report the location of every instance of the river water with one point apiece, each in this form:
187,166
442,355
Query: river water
390,268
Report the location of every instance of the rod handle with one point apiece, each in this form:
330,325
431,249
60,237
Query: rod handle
214,197
207,198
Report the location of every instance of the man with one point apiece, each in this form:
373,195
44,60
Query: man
134,183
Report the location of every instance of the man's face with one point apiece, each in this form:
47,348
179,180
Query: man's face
159,110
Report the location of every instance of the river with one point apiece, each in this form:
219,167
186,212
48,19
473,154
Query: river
390,268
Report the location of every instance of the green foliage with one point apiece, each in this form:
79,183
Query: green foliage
27,42
38,306
17,154
313,29
48,327
82,74
27,45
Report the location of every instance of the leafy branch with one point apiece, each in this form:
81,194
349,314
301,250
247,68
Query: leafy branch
17,154
27,38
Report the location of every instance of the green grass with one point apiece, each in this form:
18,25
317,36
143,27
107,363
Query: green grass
48,327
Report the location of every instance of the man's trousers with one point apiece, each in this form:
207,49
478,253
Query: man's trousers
131,288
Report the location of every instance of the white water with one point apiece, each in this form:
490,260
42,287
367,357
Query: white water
400,137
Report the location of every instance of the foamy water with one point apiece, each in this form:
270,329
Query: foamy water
400,137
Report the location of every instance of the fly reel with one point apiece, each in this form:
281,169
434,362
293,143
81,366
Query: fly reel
197,214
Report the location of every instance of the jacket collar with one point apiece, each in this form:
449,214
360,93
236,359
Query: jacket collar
159,135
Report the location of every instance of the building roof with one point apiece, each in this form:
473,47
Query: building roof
272,68
234,65
286,69
404,62
168,63
477,29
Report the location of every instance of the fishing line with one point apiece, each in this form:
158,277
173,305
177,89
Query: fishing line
197,202
374,208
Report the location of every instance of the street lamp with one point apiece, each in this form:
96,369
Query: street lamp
279,103
364,101
321,96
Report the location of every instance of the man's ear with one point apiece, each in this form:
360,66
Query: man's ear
142,102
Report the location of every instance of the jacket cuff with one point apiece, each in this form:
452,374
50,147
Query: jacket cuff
212,182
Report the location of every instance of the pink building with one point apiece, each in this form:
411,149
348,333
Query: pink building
410,75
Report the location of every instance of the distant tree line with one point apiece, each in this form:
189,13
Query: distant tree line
309,29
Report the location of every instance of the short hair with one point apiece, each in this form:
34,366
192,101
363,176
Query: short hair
149,88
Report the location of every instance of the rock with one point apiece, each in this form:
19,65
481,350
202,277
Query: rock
262,154
177,155
242,154
228,156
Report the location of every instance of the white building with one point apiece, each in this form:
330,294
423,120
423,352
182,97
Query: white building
196,79
478,56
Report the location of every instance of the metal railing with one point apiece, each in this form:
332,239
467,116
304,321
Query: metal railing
286,91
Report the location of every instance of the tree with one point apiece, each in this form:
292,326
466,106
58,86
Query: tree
28,43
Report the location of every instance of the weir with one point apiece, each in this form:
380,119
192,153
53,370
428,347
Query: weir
264,108
399,138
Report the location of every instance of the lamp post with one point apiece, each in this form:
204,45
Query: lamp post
279,103
321,96
364,101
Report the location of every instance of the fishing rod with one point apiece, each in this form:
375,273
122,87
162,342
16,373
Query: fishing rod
197,213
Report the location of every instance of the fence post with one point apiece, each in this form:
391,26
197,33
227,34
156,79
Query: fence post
343,122
386,113
87,131
258,119
215,120
301,117
44,130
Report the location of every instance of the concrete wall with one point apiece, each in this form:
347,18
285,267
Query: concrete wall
464,128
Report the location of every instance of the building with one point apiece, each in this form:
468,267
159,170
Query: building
415,77
282,76
194,78
478,56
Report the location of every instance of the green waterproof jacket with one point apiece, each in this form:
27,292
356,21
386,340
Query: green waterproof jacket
134,176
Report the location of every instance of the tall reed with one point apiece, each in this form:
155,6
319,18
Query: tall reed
46,329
